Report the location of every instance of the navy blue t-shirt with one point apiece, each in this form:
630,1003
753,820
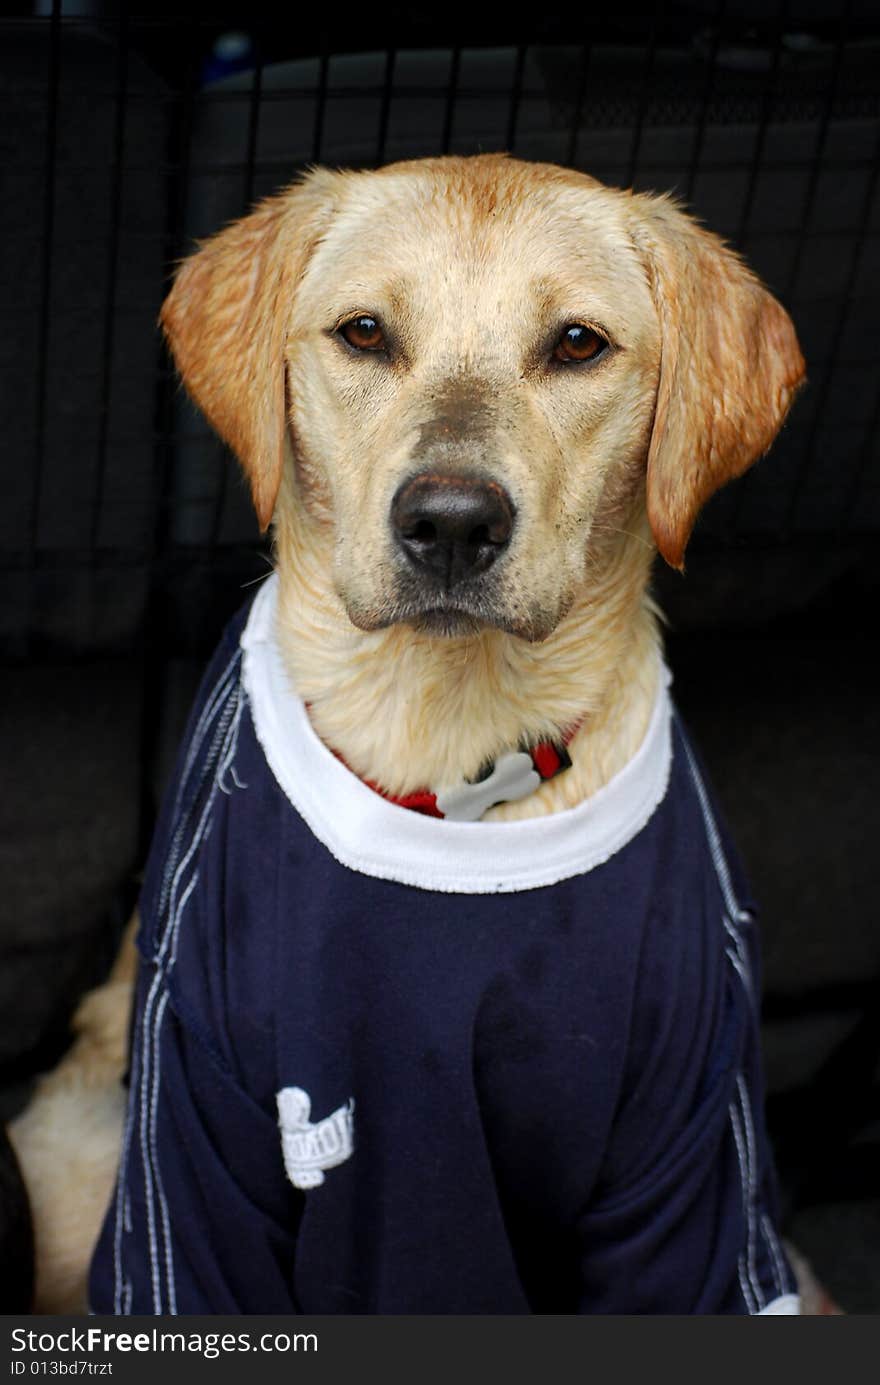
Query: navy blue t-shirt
354,1093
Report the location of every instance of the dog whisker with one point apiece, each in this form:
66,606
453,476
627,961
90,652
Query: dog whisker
627,533
262,576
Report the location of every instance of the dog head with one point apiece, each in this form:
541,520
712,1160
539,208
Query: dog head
488,371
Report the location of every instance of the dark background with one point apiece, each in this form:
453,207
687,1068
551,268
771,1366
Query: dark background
126,536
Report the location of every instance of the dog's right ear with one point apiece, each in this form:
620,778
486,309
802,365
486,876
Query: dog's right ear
226,319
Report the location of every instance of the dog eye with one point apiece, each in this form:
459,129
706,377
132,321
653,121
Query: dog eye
363,333
579,343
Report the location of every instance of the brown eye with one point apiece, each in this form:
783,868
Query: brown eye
364,333
579,343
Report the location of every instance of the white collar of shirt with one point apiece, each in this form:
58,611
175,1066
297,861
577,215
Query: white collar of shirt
366,833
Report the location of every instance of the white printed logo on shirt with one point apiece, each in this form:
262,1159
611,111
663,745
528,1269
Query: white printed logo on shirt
310,1149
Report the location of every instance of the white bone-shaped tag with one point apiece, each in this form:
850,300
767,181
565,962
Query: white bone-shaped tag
513,776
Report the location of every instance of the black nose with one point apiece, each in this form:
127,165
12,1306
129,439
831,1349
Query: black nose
452,526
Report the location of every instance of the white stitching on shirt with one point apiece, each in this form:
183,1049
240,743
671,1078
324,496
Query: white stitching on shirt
738,967
752,1298
226,764
717,852
736,914
771,1239
123,1221
214,704
745,1107
154,1153
222,712
740,960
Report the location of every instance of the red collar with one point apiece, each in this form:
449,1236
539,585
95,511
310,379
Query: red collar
549,758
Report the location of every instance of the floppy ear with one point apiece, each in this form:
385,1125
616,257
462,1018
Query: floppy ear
225,320
730,368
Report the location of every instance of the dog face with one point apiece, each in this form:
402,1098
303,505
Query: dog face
486,370
439,408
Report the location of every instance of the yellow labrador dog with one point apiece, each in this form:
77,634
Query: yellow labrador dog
472,396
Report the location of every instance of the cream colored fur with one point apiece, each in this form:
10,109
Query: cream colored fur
474,267
67,1141
408,709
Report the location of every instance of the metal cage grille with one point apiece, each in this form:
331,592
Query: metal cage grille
127,135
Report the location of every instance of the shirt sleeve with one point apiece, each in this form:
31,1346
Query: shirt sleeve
684,1219
202,1219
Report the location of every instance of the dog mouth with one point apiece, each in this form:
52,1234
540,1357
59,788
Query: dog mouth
451,616
447,622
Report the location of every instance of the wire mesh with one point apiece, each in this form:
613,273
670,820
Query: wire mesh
120,156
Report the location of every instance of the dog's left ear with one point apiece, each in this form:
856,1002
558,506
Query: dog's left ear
730,368
226,318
